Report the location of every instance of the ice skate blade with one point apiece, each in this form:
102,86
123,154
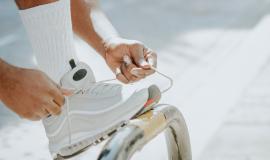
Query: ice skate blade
80,147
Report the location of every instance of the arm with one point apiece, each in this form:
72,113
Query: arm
90,23
25,4
27,92
3,69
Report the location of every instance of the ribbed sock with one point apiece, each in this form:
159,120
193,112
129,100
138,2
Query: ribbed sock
50,32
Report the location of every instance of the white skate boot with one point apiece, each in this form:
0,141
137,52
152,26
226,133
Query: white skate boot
95,111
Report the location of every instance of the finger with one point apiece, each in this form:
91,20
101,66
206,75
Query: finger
66,92
56,92
126,72
133,69
57,96
142,73
151,58
120,76
43,113
53,108
137,54
135,79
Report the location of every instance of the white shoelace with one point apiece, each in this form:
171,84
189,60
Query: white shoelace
158,72
167,77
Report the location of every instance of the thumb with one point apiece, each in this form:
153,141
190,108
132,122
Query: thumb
66,92
138,56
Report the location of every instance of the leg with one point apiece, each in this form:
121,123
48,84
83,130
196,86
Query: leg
49,28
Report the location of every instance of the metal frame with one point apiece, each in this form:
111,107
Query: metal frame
141,130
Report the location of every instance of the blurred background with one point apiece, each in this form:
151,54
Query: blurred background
217,52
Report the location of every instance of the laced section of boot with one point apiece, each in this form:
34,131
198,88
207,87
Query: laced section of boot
170,80
103,83
98,88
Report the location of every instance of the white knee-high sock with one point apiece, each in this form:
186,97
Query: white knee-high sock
50,32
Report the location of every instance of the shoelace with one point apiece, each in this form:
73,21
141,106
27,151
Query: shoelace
158,72
167,77
171,82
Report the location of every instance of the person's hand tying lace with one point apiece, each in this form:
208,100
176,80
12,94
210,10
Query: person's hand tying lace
130,60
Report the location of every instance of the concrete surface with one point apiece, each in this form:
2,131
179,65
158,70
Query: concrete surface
245,133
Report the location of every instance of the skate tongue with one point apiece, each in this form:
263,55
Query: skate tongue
78,78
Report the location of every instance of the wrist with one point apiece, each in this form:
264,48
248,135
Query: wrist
100,44
108,43
111,42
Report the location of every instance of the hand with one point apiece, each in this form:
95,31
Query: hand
138,59
30,93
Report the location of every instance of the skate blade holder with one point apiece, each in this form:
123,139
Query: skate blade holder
140,131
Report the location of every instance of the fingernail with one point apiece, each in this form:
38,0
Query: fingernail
143,62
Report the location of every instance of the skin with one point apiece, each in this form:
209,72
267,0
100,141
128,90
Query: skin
29,93
25,4
32,95
90,24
